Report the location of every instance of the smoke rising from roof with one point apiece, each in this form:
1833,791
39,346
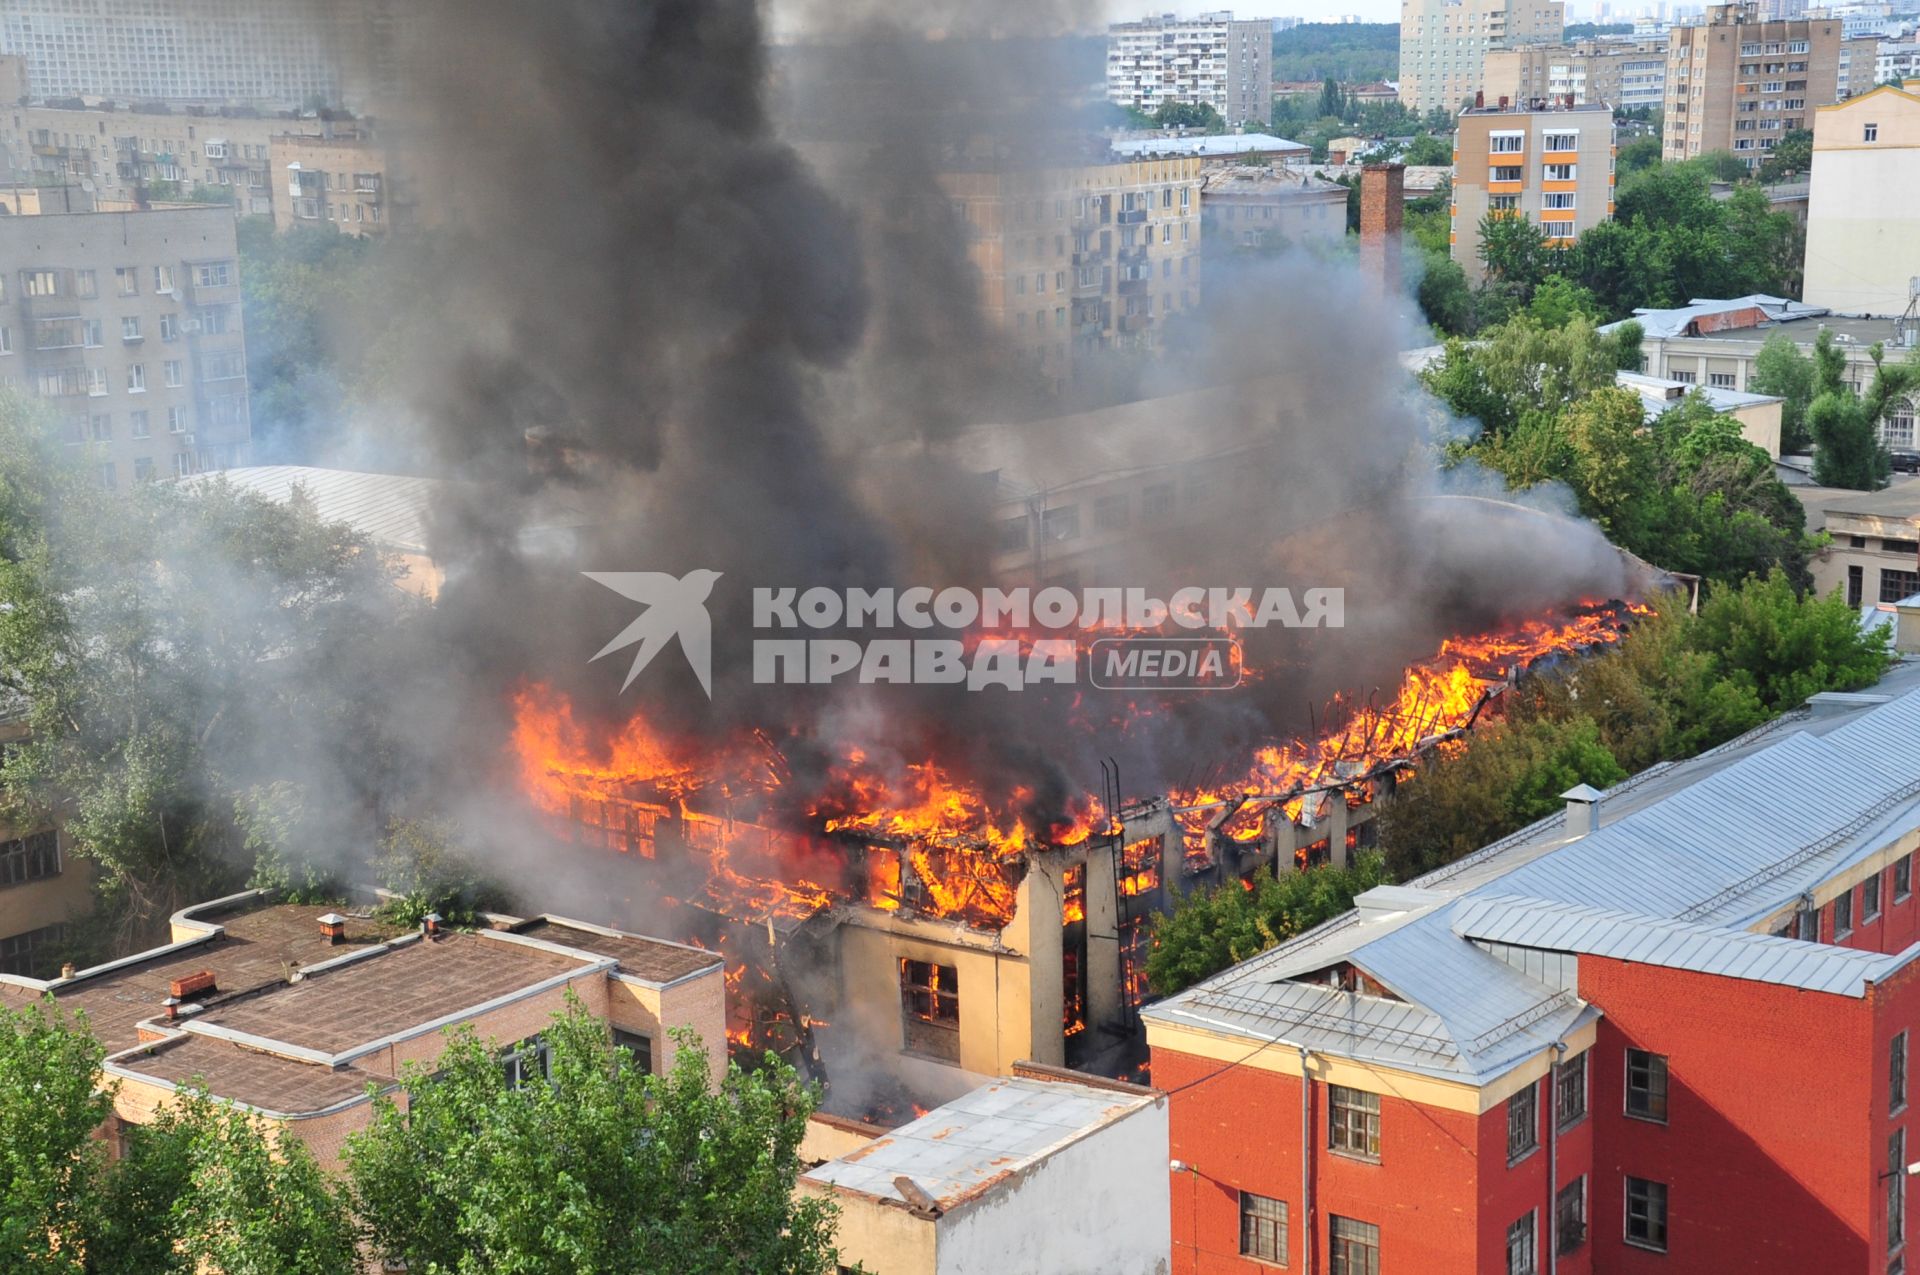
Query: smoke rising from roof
722,337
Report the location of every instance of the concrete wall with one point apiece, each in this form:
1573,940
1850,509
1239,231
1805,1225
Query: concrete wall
49,901
1475,192
1096,1205
1863,210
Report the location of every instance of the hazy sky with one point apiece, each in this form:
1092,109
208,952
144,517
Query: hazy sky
1307,10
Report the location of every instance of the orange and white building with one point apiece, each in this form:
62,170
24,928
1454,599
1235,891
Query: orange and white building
1544,159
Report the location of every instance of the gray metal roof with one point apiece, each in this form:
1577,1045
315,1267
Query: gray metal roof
1672,323
1688,856
389,509
1686,945
1207,147
956,1151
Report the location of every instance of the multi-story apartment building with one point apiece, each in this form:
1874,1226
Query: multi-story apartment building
1547,162
1669,1029
1863,204
1268,208
1736,82
1624,74
342,179
1896,62
1859,66
175,50
1075,260
124,153
1210,59
1444,43
128,327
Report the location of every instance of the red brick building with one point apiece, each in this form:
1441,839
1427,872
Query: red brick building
1599,1047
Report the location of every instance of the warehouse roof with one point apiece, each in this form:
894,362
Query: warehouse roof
389,509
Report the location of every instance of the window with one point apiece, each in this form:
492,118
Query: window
182,464
639,1045
6,340
130,327
126,281
1897,1074
1503,203
1060,524
136,378
31,953
1646,1085
1263,1228
176,374
1647,1214
1156,502
930,1007
1896,586
1896,1189
1012,535
163,280
107,475
1570,1216
169,327
1563,141
525,1062
86,283
1871,133
142,469
1520,1247
1112,513
1503,173
90,333
1570,1091
1506,143
228,365
213,274
1870,897
1523,1123
100,428
1355,1246
1561,172
215,319
1557,199
1902,872
41,283
1353,1121
29,859
1684,377
1843,915
176,420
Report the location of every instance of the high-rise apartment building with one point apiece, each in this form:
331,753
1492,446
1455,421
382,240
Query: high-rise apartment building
1863,208
342,179
1736,81
1859,66
1622,73
174,50
1444,43
1551,164
127,326
1211,59
1076,260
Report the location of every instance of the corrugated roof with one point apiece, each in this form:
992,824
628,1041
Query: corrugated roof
1687,945
960,1149
389,509
1207,147
1675,322
1688,856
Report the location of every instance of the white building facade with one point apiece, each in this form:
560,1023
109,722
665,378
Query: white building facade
1212,60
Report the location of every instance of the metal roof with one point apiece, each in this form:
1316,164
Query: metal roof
957,1151
1207,147
389,509
1675,322
1688,856
1686,945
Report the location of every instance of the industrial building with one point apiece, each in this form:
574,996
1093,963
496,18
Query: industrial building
1270,208
1541,159
1863,205
128,327
1209,60
1668,1028
1737,82
297,1013
1873,554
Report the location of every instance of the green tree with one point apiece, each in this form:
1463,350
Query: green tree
1558,301
175,646
1791,156
49,1163
1209,930
1189,115
1845,425
1515,252
1636,156
1784,646
1780,369
1522,369
258,1207
418,863
1428,150
601,1169
1332,101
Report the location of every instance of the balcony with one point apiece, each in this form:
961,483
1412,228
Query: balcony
1091,257
1135,322
1131,216
1132,287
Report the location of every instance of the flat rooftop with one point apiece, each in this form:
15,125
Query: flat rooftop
960,1151
266,1081
402,988
655,960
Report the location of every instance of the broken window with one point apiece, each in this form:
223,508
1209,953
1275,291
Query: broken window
1263,1227
1140,867
930,1008
1570,1090
1523,1123
639,1045
1570,1216
1646,1085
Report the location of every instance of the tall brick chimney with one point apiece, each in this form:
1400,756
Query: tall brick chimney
1382,208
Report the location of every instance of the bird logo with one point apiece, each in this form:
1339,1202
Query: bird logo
676,607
